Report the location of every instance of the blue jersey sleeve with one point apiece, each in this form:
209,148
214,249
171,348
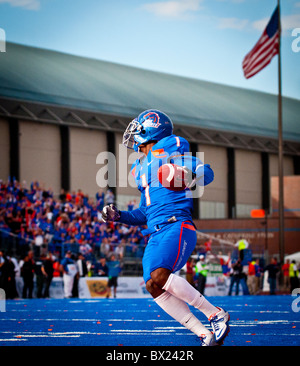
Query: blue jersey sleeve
183,157
205,175
135,217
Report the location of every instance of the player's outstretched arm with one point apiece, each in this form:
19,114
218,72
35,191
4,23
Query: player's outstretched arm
205,174
135,217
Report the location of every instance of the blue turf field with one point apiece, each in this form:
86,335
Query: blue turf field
255,321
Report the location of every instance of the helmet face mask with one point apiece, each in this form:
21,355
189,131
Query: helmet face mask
132,129
150,125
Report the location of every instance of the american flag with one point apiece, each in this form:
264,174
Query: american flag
266,47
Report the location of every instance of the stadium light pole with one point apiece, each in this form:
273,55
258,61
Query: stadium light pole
280,148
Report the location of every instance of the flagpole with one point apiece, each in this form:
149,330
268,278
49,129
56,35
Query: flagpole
280,149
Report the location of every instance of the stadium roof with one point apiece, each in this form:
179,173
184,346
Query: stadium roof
53,78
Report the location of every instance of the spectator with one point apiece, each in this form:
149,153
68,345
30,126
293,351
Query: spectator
243,282
97,243
241,244
109,197
201,270
48,271
100,200
226,266
190,272
272,270
57,269
82,269
101,268
131,247
39,275
294,273
24,241
85,249
131,205
257,277
120,249
104,248
81,265
208,244
69,272
114,269
16,265
251,277
27,272
62,195
286,275
7,278
237,270
39,241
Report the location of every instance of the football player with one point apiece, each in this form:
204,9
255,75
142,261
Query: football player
168,216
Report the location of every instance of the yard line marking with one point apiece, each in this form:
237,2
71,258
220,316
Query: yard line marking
12,339
142,330
46,336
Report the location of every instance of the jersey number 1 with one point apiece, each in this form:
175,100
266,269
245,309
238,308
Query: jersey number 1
146,186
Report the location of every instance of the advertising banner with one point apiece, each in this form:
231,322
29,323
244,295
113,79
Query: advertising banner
128,287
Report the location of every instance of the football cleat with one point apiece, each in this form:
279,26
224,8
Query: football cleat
219,322
208,340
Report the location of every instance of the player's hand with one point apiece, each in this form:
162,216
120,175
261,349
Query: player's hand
110,213
199,177
191,177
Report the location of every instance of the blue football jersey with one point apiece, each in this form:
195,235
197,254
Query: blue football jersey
158,204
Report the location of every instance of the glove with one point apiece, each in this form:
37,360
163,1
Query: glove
203,176
110,213
191,178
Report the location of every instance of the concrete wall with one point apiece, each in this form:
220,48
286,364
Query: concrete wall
85,146
288,166
248,180
213,203
40,154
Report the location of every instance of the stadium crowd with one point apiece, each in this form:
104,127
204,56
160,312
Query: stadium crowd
40,235
34,223
40,221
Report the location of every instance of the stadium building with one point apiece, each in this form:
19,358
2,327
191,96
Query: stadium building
60,114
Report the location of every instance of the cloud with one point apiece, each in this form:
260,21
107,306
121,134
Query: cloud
173,9
26,4
233,23
288,22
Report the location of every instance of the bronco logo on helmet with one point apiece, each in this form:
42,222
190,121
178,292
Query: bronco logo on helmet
151,120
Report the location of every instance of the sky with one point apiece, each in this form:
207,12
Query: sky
201,39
